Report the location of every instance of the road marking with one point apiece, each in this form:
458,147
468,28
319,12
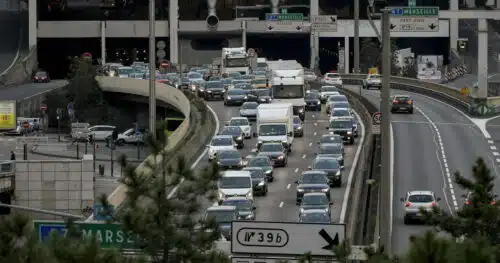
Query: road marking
437,123
493,147
315,133
498,160
304,156
491,142
253,150
442,160
281,204
288,186
496,154
315,124
313,116
310,144
296,170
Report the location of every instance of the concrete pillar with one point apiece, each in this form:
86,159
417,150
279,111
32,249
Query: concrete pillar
244,34
173,23
453,25
103,42
211,7
482,62
314,9
274,6
346,55
32,22
314,52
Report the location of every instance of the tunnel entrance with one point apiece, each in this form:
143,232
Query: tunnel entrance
329,53
282,46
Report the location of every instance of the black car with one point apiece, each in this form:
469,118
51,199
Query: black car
402,103
313,101
262,95
263,162
237,134
235,97
213,90
312,182
334,150
330,138
298,127
315,201
259,180
41,77
184,83
223,216
331,167
229,159
276,152
344,128
244,207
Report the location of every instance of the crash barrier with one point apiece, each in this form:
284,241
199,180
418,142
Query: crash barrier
474,107
192,132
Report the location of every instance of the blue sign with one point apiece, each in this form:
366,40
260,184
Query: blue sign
99,214
44,230
397,11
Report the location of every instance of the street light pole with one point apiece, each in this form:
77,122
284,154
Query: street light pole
356,37
385,131
152,68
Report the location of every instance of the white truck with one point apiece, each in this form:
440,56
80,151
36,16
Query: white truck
235,60
262,63
275,124
288,84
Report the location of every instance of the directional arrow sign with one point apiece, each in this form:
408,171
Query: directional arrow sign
251,237
284,26
414,19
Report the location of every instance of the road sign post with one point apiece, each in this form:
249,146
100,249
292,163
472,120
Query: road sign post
326,23
414,19
284,22
253,237
377,118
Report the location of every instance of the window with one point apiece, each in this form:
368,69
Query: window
235,182
326,164
336,124
426,198
272,130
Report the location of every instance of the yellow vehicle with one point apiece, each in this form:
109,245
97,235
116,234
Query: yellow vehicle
260,83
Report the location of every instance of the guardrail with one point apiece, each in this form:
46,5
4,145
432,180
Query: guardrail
474,107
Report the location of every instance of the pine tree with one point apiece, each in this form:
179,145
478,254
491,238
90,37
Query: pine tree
169,226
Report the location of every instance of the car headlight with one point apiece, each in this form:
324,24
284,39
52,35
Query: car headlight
250,195
218,163
261,183
301,110
337,174
302,210
260,142
319,102
324,190
284,142
249,216
262,99
269,171
239,138
221,196
246,97
300,190
228,97
281,157
349,132
202,89
209,91
299,128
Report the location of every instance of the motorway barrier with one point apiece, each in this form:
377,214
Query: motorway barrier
474,107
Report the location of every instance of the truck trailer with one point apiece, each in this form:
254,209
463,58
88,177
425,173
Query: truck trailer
275,124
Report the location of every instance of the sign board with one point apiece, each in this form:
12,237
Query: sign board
414,19
108,235
285,17
254,237
326,23
161,44
8,115
161,53
79,129
377,118
33,140
464,91
99,213
284,26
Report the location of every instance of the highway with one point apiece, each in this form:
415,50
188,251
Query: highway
429,146
30,89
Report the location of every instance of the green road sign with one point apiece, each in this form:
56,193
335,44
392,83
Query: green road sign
108,235
415,11
285,17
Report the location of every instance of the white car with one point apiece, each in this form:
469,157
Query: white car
130,136
243,123
220,143
373,81
101,132
334,98
327,91
332,78
416,200
235,183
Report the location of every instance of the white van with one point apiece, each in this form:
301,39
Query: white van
235,183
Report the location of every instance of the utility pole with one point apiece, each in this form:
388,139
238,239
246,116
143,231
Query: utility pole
152,68
385,131
356,37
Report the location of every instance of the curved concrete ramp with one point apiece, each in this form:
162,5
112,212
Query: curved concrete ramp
10,32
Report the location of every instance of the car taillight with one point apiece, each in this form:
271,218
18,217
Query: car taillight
395,101
432,204
493,202
410,102
467,202
407,204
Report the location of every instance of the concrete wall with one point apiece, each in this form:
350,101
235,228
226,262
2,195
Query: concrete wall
192,56
58,185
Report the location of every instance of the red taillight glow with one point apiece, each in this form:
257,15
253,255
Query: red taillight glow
410,102
433,204
467,202
395,101
493,202
407,204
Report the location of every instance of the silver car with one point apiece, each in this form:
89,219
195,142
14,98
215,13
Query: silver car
249,110
417,200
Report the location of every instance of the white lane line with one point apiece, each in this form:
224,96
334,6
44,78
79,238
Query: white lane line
443,160
315,133
391,183
314,116
491,142
498,160
281,204
310,144
315,124
347,192
496,154
493,147
288,186
304,156
296,170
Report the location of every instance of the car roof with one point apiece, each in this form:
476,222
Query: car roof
326,144
401,96
420,193
252,168
237,198
325,157
329,86
236,174
223,137
314,211
330,135
313,172
314,194
271,143
222,208
238,118
341,109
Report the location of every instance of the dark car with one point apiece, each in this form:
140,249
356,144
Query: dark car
298,127
263,162
402,103
331,167
262,95
184,83
244,207
334,150
229,159
315,201
213,90
227,83
214,78
276,152
223,216
237,134
312,182
259,180
41,77
342,127
235,97
315,216
313,101
330,138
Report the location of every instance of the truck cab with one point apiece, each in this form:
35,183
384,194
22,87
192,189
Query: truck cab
235,60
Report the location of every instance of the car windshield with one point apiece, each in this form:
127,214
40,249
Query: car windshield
341,105
264,92
235,75
231,130
249,105
332,75
241,204
311,96
236,82
336,124
242,86
340,113
314,179
260,73
222,142
230,182
420,198
337,98
271,147
186,80
375,77
256,173
238,122
329,89
326,164
330,149
259,81
41,74
315,200
236,92
317,217
402,99
331,139
272,130
125,71
213,85
296,120
229,155
214,78
195,75
258,162
226,81
221,216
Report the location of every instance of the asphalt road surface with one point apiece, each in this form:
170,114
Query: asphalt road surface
429,146
30,89
10,29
